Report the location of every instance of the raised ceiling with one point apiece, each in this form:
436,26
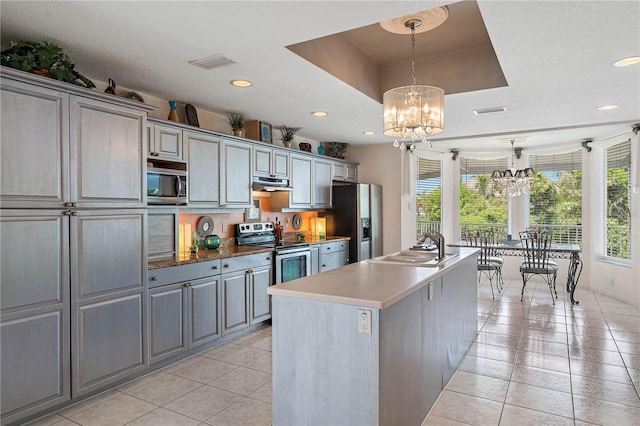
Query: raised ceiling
556,58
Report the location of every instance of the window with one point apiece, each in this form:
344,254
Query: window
428,195
617,232
482,204
555,198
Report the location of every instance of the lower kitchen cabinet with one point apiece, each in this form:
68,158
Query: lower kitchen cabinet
260,303
333,255
236,308
186,314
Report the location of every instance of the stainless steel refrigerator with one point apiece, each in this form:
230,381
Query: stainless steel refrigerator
357,213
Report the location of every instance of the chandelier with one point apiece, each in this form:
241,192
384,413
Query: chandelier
416,111
515,182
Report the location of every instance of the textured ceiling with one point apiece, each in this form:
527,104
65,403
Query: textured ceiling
556,58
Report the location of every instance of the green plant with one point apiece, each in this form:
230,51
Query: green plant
288,133
236,120
43,58
335,149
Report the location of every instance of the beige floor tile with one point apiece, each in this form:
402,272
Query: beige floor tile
626,336
631,360
477,411
433,420
223,347
595,355
51,419
540,346
600,371
479,385
239,355
263,393
628,347
181,364
263,363
512,415
547,336
259,341
205,369
114,412
143,380
592,342
246,412
635,377
499,353
88,403
163,417
242,381
541,377
487,367
544,361
165,389
604,412
497,340
600,333
540,399
502,329
203,402
605,390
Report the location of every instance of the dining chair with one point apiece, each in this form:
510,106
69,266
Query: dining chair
487,266
536,245
491,235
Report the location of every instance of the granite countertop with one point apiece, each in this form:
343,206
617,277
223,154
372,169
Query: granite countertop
368,284
224,252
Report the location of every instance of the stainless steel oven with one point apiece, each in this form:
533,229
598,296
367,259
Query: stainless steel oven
292,262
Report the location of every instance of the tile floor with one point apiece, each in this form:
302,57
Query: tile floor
532,364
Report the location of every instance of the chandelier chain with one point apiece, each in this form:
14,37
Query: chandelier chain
413,53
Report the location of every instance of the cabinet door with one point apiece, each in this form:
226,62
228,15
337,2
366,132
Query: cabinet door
167,320
432,338
204,171
262,161
301,181
234,301
204,298
107,154
321,184
261,279
280,164
167,142
329,261
351,173
108,342
235,174
338,171
34,151
315,259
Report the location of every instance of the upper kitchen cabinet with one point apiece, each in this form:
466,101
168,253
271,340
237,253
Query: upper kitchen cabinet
235,174
300,196
321,183
270,162
165,142
344,172
203,153
65,146
35,146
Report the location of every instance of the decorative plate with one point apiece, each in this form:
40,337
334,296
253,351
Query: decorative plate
192,115
296,222
205,226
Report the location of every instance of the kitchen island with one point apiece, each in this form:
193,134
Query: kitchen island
370,343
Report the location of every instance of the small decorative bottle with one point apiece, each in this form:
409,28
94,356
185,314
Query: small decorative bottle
320,149
173,115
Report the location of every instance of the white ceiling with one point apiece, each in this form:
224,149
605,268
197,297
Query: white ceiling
557,58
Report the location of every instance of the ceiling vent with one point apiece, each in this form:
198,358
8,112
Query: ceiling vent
489,110
212,62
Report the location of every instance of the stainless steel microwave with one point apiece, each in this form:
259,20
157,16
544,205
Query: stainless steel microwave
166,186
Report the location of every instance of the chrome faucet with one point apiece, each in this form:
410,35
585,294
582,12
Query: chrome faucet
437,239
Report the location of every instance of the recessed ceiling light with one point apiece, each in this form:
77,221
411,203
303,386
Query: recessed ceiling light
489,110
320,113
368,132
241,83
627,61
607,107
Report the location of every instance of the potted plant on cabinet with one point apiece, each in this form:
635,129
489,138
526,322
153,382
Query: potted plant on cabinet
335,149
287,134
236,121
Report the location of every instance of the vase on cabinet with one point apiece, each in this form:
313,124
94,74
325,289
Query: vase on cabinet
173,114
238,132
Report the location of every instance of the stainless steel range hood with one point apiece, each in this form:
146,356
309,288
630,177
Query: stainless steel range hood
270,184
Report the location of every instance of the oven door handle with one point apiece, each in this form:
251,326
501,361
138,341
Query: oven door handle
293,250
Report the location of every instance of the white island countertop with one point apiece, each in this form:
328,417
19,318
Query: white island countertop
367,284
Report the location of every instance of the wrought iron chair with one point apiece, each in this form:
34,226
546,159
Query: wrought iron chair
536,245
486,266
492,240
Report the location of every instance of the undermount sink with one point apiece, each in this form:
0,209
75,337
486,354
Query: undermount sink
414,258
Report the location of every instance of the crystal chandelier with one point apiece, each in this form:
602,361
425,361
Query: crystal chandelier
416,111
515,182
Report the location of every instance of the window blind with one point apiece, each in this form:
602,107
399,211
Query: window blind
557,163
429,175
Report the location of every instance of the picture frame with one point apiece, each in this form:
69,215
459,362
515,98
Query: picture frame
259,131
265,132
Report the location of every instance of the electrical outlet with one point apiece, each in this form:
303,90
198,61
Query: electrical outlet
364,321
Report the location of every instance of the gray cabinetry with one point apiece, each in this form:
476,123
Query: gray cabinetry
35,320
321,183
235,174
270,162
344,172
167,321
235,288
300,181
204,310
259,303
333,255
162,233
315,259
35,169
165,142
107,288
203,167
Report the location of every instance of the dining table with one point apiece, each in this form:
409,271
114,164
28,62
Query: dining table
556,251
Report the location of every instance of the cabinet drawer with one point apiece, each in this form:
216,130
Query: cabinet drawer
240,263
176,274
329,261
334,246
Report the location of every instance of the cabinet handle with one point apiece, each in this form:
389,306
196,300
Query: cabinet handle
323,265
68,204
214,267
268,257
67,213
154,278
328,248
74,213
226,265
187,284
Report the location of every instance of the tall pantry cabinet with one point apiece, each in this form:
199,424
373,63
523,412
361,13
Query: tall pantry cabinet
73,251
